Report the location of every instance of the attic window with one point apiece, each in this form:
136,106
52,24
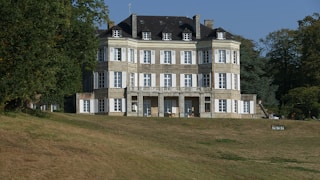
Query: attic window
187,36
221,35
166,36
146,35
116,33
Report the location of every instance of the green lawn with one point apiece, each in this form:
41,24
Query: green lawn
70,146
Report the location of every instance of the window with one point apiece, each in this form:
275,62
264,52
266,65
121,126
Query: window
131,55
186,36
221,35
235,81
166,36
235,106
101,54
86,106
235,56
117,79
146,35
167,80
147,80
222,80
187,57
167,57
168,106
222,105
101,80
188,80
246,106
222,56
117,54
147,57
205,57
116,33
206,80
117,105
207,104
101,105
132,79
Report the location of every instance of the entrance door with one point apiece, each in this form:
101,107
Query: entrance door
188,108
147,108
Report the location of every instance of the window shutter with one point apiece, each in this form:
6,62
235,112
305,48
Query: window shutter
111,54
216,105
238,57
216,56
123,104
174,80
111,79
173,57
216,80
141,56
105,53
153,57
124,79
111,105
210,80
227,56
252,107
161,80
200,80
229,105
141,78
241,107
123,54
81,106
228,80
153,80
210,56
95,80
194,80
92,105
238,88
174,106
161,57
135,79
106,105
181,57
135,56
105,79
181,80
129,55
193,60
96,106
200,57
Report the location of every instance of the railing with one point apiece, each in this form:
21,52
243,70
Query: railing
170,89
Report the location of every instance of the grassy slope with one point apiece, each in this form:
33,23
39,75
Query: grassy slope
69,146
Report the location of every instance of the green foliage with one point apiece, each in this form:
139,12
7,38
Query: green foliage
45,46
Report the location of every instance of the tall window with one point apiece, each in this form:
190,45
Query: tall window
168,106
167,57
146,35
206,80
222,56
188,80
222,105
101,80
147,80
235,81
147,57
117,105
186,36
117,54
235,106
132,79
235,57
246,106
118,79
205,56
101,105
187,57
86,105
101,54
131,55
166,36
207,103
116,33
167,80
222,80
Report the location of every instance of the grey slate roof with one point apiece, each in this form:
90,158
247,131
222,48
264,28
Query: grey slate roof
159,24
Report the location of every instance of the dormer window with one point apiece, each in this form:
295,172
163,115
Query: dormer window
166,36
116,33
146,35
221,35
187,36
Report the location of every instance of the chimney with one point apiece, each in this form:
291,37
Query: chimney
208,23
134,25
110,24
196,25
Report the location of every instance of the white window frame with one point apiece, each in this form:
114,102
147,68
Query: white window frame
147,80
117,54
101,105
222,56
166,36
131,55
132,79
246,107
188,80
221,35
116,33
146,35
101,80
147,56
222,80
235,81
235,57
187,36
117,105
101,54
167,80
187,57
167,57
86,106
205,57
235,106
117,79
206,80
222,105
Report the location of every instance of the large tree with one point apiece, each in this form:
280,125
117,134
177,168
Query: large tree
45,47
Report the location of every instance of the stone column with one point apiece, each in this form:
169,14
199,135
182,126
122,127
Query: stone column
201,104
129,104
181,106
160,105
140,104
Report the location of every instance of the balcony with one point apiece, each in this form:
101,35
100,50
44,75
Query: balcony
169,89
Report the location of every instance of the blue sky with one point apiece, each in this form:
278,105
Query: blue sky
252,19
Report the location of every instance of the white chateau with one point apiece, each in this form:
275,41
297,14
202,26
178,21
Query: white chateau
163,66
